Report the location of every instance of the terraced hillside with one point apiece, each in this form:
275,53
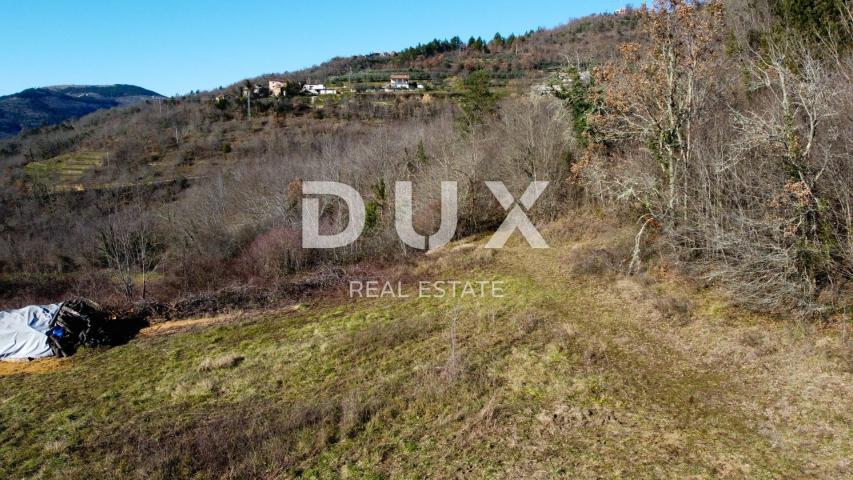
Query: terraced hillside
66,171
576,372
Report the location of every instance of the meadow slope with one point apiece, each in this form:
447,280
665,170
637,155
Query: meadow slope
577,372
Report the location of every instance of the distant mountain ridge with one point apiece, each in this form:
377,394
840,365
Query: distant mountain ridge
35,107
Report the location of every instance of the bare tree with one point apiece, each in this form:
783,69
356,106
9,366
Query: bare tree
129,246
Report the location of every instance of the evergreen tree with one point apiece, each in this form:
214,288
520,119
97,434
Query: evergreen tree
813,19
498,40
478,101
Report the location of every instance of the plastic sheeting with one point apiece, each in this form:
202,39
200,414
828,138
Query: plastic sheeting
23,332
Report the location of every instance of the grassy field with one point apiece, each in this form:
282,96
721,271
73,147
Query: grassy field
66,171
577,372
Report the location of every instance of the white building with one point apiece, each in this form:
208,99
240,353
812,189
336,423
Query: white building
318,89
399,82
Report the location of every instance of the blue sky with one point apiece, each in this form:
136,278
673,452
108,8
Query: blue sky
177,46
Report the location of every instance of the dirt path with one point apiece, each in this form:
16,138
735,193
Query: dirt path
191,323
700,365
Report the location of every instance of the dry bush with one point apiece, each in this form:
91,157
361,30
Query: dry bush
737,161
594,261
533,143
272,254
778,217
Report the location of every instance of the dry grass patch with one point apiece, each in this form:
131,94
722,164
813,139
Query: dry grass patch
45,365
220,363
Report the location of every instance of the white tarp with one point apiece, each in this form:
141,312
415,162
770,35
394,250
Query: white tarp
23,332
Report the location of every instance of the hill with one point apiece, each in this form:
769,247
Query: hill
36,107
585,41
690,318
210,155
208,135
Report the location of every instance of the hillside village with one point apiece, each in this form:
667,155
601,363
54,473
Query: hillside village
554,83
279,88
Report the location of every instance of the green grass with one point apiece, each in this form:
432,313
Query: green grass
65,170
569,376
